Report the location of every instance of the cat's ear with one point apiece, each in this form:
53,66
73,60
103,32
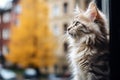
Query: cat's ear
77,10
92,11
91,5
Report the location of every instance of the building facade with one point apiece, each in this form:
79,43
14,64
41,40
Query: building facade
6,20
61,14
5,23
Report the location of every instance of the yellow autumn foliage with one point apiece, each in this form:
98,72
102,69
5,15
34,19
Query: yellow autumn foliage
31,42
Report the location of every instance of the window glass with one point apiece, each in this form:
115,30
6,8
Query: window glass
5,34
18,9
6,17
17,22
5,49
56,30
55,10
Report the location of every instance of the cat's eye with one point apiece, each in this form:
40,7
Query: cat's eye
77,23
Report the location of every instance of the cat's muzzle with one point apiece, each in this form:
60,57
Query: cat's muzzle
72,33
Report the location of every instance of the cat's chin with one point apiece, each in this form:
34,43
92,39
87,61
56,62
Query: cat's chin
73,35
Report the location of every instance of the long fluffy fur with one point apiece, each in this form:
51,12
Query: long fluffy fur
85,51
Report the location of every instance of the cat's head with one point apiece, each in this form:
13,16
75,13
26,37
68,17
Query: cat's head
91,21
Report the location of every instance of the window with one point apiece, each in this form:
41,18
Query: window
18,9
55,10
5,34
17,22
65,27
65,7
56,30
6,17
5,49
105,7
65,47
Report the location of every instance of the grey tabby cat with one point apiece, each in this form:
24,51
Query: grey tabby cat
89,54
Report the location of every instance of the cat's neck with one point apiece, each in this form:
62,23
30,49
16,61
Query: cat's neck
94,42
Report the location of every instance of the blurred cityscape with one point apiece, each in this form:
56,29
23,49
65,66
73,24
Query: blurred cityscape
32,32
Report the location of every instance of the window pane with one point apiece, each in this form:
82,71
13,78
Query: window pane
105,7
4,49
6,17
17,22
56,30
5,34
18,9
65,7
55,10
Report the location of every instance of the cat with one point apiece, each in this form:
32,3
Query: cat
89,45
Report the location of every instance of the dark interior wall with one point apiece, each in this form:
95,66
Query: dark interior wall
115,39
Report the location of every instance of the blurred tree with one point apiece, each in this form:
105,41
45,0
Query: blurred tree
31,42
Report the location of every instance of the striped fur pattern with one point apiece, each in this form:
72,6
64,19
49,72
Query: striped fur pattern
88,42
